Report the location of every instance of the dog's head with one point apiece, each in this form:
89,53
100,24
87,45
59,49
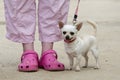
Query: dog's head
69,32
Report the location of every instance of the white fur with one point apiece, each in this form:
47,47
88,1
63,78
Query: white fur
80,46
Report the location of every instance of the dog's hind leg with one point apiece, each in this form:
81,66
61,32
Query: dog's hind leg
95,54
86,60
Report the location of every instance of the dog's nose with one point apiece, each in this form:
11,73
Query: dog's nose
67,37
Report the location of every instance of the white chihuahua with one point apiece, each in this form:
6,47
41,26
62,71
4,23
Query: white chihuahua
76,46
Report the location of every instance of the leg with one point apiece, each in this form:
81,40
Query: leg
46,46
20,20
28,46
95,54
86,61
20,23
50,12
71,62
77,65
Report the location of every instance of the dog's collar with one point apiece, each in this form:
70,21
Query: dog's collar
69,41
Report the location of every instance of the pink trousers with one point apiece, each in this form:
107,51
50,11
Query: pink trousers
21,19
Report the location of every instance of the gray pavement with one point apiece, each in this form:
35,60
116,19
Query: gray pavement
105,12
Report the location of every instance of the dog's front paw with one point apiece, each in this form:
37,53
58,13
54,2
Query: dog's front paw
69,69
96,67
77,69
84,67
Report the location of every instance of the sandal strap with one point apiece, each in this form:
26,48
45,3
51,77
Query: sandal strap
29,52
49,52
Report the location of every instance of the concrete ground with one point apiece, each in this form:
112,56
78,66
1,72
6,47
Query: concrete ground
107,15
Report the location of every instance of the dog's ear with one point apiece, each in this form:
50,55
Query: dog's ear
61,24
78,26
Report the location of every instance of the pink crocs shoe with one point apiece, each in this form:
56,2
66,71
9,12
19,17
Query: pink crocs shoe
29,61
49,61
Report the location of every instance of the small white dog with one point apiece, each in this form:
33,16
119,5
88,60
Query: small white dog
76,46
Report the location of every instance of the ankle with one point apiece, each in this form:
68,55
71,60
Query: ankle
47,46
28,47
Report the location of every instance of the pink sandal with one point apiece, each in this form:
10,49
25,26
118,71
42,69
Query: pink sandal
49,61
29,61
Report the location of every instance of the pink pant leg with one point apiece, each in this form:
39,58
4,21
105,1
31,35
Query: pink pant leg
50,12
20,20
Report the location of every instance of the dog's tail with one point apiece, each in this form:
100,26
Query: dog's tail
94,25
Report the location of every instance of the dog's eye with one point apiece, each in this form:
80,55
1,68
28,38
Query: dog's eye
72,33
64,32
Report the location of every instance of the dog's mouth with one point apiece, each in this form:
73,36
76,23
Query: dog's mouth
69,40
